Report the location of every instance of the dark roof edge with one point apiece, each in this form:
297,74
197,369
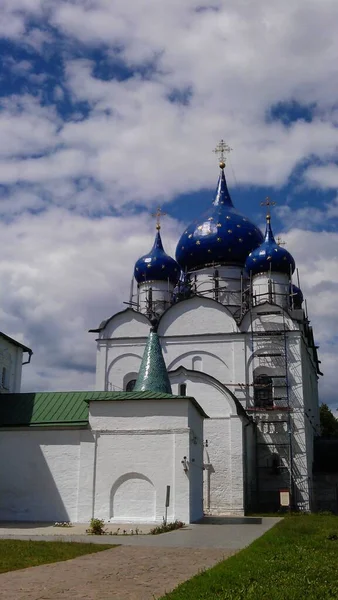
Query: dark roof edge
16,343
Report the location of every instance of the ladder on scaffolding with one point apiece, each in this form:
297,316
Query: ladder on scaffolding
270,406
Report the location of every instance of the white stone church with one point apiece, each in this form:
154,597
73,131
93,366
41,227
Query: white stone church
206,396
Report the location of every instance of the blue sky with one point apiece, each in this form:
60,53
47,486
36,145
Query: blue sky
109,109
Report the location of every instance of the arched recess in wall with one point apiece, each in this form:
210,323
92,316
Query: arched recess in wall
187,360
133,498
197,363
129,381
120,369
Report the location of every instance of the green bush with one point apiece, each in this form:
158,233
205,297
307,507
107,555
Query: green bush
96,527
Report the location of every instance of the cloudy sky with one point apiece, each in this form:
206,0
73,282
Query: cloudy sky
109,108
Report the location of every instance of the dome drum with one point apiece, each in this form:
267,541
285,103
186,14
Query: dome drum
222,283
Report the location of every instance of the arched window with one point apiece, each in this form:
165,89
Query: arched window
182,389
130,385
263,391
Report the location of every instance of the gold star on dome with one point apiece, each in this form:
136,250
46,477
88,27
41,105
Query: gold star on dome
209,250
240,239
228,217
229,230
198,242
238,225
210,218
229,249
254,259
219,239
148,266
219,225
163,266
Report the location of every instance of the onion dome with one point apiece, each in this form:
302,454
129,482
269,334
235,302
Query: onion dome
270,256
153,374
297,296
157,265
220,236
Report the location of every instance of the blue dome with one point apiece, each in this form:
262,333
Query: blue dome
157,265
270,256
220,236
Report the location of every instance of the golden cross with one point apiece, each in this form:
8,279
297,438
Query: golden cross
280,242
267,202
221,149
158,214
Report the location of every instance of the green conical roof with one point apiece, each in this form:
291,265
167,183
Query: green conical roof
153,376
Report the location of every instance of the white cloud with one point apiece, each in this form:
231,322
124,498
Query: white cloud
316,255
63,274
136,145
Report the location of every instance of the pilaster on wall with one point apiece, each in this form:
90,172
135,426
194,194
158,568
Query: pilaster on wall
87,476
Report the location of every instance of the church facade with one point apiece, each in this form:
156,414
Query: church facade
206,396
236,337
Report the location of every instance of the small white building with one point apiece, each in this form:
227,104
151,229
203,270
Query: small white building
117,456
11,361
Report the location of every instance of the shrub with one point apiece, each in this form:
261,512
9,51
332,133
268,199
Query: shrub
96,527
167,527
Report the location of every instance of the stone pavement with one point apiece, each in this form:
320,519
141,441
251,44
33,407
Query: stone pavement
124,573
143,567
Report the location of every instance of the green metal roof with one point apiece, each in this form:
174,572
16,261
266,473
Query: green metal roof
64,408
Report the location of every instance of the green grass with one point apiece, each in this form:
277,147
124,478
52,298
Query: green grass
296,560
19,554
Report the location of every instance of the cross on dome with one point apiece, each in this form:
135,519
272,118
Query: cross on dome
268,202
280,241
158,214
221,148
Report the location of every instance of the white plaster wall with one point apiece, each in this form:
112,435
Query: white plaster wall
137,451
39,475
196,316
127,323
11,359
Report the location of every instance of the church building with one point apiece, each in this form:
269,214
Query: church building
206,396
235,336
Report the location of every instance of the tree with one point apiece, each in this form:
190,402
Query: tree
328,422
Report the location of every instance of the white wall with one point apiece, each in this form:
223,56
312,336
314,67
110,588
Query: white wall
11,360
140,446
118,470
39,475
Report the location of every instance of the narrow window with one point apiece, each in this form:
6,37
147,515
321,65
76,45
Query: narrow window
4,377
263,391
130,385
182,389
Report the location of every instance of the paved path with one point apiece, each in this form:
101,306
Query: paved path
144,567
124,573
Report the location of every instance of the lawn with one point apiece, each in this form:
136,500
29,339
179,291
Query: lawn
296,560
18,554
